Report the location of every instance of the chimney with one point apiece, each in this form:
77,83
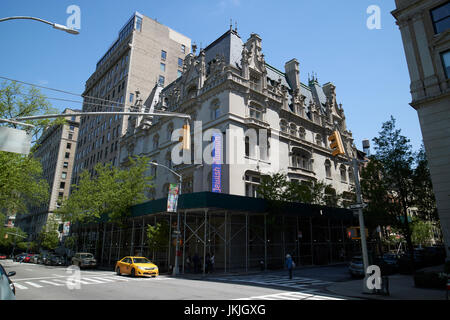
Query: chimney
292,71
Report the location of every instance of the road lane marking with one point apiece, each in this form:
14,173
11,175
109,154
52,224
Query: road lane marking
52,283
33,284
19,286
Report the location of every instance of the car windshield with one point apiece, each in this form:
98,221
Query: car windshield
141,260
86,256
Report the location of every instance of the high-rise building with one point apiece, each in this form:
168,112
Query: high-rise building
56,152
144,53
425,30
268,120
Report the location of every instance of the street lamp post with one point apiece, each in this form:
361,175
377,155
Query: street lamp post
54,25
177,248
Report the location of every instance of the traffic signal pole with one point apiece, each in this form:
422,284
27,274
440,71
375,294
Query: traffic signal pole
338,148
362,227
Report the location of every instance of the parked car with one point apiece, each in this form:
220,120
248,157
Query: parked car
136,266
3,256
404,261
7,288
84,259
20,257
34,258
388,263
43,258
55,260
356,267
27,258
434,255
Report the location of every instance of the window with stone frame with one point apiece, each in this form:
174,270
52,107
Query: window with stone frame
301,159
328,169
343,171
302,133
252,182
283,126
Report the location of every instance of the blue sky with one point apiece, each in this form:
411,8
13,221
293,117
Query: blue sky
368,67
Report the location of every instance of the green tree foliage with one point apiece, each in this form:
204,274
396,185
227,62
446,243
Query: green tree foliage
157,236
8,239
21,182
48,238
110,191
424,200
422,231
391,184
277,188
17,102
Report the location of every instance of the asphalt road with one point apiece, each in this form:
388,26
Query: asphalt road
39,282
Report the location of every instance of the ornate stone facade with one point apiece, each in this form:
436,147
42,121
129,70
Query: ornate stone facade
230,88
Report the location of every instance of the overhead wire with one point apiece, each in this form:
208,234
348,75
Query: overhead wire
71,93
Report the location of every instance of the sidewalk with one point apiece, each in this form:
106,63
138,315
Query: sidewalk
401,287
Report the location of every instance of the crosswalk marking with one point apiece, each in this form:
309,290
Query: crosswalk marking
292,296
59,280
299,283
34,284
52,283
19,286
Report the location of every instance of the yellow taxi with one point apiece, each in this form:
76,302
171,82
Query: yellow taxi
136,266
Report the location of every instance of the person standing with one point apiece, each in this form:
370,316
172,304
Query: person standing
196,261
212,262
289,264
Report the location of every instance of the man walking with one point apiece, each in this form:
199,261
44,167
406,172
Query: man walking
289,265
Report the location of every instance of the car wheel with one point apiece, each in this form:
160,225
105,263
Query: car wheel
118,271
133,273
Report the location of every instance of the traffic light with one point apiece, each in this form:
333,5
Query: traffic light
355,234
186,138
336,143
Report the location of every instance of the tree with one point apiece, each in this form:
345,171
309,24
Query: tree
425,200
157,236
276,188
422,231
111,191
390,183
48,238
16,102
21,180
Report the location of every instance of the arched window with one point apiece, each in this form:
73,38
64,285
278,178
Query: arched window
301,133
343,173
192,92
283,126
293,129
328,168
319,140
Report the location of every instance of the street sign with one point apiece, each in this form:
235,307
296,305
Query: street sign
357,206
14,140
